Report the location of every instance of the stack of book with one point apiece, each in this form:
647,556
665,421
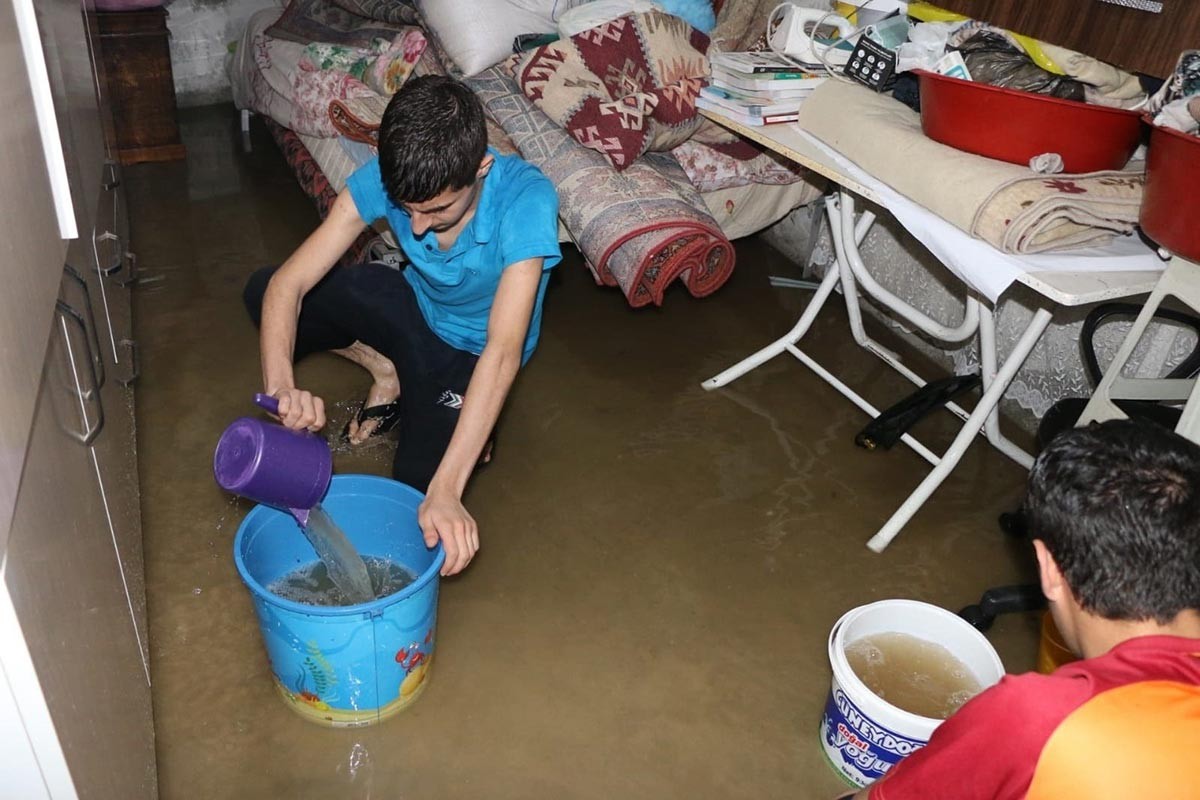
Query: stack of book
756,88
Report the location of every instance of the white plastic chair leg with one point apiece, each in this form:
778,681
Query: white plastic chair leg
1189,422
1181,279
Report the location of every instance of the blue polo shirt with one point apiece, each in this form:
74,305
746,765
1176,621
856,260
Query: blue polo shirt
515,219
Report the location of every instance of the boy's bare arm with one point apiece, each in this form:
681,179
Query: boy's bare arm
442,515
281,308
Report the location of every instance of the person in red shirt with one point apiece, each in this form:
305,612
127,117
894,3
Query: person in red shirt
1114,513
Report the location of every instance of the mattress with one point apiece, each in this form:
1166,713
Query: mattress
337,157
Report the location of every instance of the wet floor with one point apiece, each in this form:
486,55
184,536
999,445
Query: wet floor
660,566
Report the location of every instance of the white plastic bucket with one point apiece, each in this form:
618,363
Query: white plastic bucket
864,735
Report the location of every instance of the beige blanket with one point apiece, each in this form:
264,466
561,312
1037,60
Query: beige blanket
1009,206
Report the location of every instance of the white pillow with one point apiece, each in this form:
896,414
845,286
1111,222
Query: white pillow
589,15
479,33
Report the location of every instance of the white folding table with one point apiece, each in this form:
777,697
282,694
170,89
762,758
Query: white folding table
1122,269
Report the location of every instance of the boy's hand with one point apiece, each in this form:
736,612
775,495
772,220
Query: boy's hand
442,516
300,410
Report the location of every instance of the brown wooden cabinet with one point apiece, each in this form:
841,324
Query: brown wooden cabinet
141,87
1140,41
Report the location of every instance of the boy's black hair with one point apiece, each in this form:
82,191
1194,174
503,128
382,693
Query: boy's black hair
431,139
1118,506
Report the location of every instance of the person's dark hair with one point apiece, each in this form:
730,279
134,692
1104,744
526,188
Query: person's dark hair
431,139
1118,506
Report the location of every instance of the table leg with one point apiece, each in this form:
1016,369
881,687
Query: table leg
849,271
987,358
246,144
975,422
824,288
849,262
781,344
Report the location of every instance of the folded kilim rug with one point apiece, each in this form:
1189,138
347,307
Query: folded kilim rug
639,229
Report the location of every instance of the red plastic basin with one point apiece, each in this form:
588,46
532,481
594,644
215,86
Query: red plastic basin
1170,208
1016,126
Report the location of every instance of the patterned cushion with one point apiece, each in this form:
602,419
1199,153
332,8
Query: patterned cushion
307,21
397,12
624,87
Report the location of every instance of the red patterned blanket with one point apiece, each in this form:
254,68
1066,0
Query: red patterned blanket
624,87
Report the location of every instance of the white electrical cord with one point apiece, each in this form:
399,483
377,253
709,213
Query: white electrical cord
820,51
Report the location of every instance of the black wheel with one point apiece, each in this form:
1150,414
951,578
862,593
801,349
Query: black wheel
1013,524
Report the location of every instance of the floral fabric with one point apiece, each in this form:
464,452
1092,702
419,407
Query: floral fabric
709,169
383,66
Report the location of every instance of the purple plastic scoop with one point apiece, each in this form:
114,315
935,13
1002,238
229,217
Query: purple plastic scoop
273,465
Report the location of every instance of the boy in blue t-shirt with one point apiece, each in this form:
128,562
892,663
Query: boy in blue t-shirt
444,338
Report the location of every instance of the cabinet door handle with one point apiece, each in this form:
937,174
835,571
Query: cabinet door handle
135,360
118,261
90,432
94,337
112,179
131,260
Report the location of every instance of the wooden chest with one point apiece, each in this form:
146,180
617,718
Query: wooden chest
141,88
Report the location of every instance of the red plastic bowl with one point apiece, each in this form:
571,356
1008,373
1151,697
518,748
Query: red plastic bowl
1016,126
1170,210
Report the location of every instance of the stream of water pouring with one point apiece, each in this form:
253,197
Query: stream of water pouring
344,564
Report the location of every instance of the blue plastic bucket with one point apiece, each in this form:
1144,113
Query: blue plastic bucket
346,666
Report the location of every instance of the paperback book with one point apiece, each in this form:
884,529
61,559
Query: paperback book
746,104
765,81
751,120
756,63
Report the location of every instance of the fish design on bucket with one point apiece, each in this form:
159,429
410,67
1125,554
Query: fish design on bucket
312,700
301,694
